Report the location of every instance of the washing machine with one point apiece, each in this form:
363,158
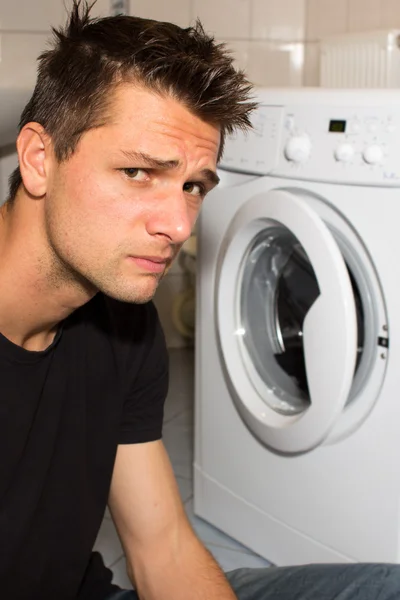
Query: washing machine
297,412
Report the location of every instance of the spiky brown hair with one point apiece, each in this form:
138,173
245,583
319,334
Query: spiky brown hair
90,57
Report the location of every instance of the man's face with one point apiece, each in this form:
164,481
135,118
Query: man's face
118,211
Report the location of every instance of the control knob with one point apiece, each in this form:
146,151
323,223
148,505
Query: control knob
373,155
298,148
344,153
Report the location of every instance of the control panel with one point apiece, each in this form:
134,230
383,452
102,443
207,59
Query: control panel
342,144
256,151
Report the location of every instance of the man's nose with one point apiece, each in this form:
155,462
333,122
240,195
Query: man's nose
172,218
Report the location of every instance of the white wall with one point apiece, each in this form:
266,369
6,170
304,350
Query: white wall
275,41
331,17
8,162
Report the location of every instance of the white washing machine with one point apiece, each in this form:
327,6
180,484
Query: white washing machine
297,423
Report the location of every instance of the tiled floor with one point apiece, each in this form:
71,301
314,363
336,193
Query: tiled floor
178,439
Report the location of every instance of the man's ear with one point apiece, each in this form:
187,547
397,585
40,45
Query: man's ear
34,148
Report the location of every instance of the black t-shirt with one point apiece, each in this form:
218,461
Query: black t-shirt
63,413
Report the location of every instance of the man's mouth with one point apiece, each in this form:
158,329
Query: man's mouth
152,264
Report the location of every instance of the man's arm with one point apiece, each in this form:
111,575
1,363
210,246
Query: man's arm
165,560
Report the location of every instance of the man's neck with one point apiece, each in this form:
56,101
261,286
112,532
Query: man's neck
35,296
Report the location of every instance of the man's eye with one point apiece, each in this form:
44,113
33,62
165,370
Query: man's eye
195,189
136,174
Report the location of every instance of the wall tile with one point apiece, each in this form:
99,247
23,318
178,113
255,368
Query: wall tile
100,9
30,15
273,64
284,20
364,15
224,18
390,14
19,52
311,64
325,17
239,50
18,67
8,162
173,11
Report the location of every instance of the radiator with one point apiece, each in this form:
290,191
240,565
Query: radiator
361,60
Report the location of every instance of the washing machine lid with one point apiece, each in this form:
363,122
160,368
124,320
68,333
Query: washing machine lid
329,330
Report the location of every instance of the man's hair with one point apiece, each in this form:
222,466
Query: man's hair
91,57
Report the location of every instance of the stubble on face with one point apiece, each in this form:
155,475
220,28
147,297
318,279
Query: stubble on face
64,269
72,262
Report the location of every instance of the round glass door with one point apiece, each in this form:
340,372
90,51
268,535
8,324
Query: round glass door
278,288
286,320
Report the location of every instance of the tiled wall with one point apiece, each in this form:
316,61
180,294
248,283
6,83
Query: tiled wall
275,41
331,17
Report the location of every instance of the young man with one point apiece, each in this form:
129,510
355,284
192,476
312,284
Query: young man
117,148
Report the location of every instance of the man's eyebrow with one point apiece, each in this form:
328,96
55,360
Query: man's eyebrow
210,176
157,163
151,161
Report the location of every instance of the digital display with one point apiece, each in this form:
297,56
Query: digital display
337,126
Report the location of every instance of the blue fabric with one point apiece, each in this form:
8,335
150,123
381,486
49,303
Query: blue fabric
311,582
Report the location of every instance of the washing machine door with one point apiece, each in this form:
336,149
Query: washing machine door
286,319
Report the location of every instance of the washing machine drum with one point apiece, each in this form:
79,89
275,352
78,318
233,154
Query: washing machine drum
290,321
278,289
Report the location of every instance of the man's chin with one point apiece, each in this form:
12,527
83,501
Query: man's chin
132,296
